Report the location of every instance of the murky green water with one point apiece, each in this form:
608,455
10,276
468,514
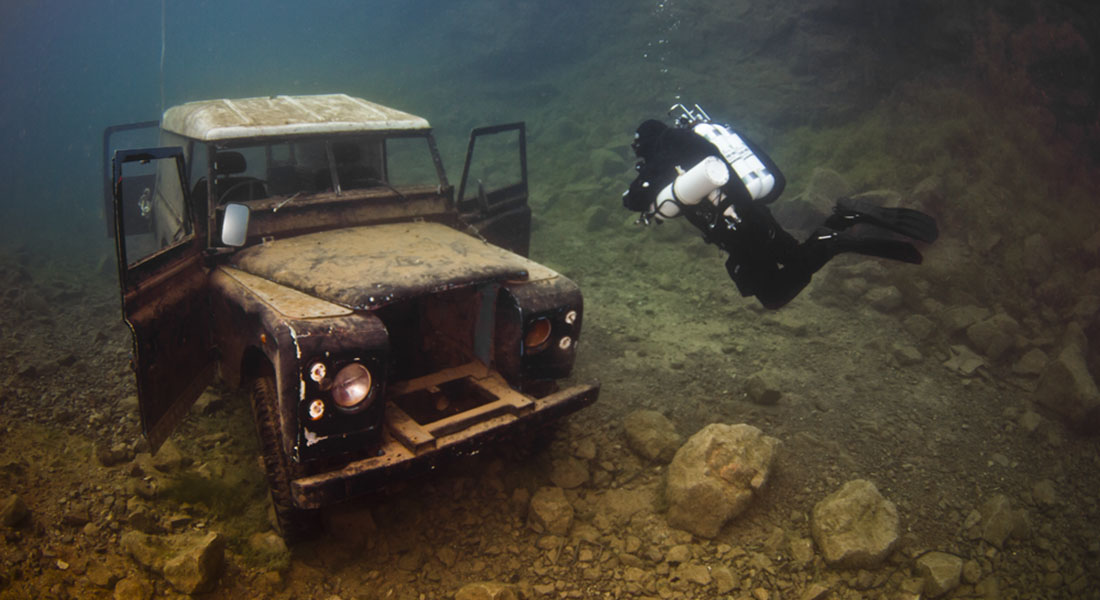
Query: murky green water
943,384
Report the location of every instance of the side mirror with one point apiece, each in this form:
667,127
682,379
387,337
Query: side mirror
235,225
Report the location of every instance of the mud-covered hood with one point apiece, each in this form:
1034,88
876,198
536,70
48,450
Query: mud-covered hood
368,267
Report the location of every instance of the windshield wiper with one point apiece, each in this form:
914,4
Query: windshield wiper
280,205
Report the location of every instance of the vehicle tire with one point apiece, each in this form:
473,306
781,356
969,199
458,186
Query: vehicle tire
295,523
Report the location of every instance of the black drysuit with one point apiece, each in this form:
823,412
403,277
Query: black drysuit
764,260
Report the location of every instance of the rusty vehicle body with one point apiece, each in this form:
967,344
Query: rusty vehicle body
381,320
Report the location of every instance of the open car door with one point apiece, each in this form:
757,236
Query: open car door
164,285
492,196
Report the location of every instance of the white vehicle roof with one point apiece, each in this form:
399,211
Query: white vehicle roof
211,120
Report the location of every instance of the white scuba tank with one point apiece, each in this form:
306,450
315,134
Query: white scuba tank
754,175
690,187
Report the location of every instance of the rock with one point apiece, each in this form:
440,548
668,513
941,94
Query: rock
1029,421
13,511
147,550
586,449
196,567
802,550
142,518
101,576
569,473
959,318
680,553
919,326
825,188
1038,258
963,361
855,527
651,435
884,299
695,573
941,572
999,521
487,590
724,580
993,336
715,475
1044,494
762,388
1067,387
168,458
1031,364
133,588
114,454
190,562
808,209
208,403
906,355
972,572
927,195
815,591
607,163
550,511
596,218
76,516
272,548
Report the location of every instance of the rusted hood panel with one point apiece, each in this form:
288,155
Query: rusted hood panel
368,267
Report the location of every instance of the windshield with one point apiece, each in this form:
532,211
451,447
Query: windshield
287,168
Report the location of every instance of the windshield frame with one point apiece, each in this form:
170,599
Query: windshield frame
267,144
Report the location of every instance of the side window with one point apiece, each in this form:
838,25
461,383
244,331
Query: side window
153,206
409,162
496,167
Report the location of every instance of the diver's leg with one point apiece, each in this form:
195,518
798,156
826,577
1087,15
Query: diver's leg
773,286
906,221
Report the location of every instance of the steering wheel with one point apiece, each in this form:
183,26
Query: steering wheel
251,183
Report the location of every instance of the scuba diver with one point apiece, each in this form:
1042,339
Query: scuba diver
722,183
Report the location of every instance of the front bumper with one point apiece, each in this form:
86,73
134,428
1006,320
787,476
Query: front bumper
409,447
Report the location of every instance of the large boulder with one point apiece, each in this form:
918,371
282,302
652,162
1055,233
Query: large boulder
651,435
191,562
715,475
855,527
195,568
1067,387
550,511
995,521
940,573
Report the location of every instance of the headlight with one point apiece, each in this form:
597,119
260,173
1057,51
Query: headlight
351,386
537,334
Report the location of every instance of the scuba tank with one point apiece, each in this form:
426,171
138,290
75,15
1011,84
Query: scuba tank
757,178
690,187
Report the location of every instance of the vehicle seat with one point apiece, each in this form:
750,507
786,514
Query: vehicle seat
285,180
229,188
350,168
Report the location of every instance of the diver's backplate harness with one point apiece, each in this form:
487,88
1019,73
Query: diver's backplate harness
706,178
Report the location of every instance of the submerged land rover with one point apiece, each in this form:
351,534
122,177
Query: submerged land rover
312,249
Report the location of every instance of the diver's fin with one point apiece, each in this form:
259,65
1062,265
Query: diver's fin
906,221
872,246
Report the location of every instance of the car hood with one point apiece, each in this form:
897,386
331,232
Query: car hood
371,266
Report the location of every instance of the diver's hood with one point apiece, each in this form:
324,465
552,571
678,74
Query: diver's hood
646,136
371,266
